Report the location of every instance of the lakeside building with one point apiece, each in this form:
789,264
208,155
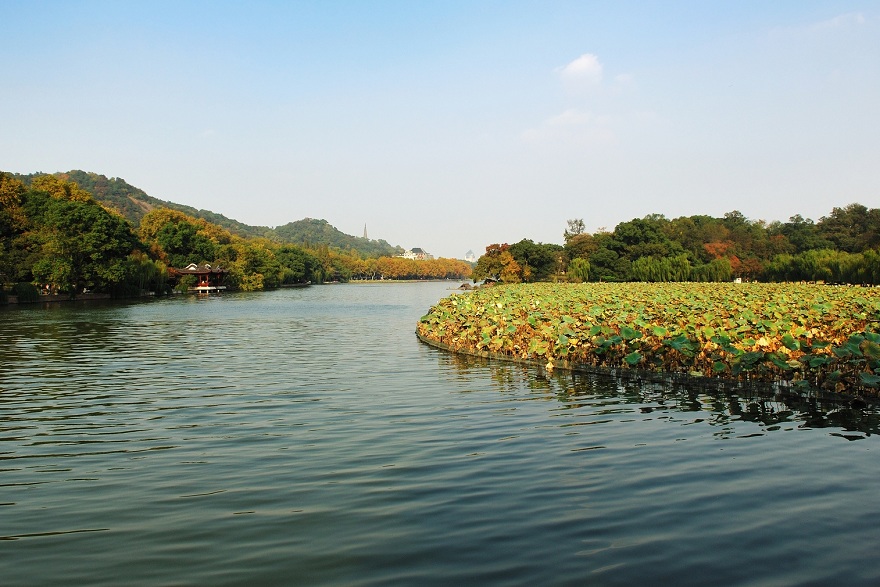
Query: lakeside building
208,279
417,253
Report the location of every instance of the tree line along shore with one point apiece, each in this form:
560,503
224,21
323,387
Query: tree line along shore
841,247
74,232
55,237
673,296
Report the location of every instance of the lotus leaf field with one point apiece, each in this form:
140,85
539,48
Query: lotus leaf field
813,336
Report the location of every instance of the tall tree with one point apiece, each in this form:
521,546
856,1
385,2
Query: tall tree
801,233
580,246
579,270
498,263
82,245
575,227
853,229
538,261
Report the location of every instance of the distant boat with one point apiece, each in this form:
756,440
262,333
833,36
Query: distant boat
303,284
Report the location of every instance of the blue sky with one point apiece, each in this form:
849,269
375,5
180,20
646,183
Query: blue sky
452,125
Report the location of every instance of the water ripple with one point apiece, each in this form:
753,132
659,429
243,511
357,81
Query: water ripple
305,436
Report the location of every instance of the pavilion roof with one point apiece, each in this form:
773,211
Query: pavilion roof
194,269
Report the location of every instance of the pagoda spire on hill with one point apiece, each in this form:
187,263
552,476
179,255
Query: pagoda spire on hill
365,231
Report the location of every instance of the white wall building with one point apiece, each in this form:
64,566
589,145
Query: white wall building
417,253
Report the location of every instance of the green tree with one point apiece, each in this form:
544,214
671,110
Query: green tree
82,246
579,270
13,222
646,236
538,261
498,263
853,228
580,246
661,269
717,270
575,227
182,243
606,263
802,233
297,265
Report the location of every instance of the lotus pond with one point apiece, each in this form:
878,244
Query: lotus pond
807,335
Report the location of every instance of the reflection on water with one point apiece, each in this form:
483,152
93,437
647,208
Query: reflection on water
773,410
307,437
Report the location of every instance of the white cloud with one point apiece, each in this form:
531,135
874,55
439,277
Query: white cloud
575,126
578,125
584,69
841,21
571,117
646,116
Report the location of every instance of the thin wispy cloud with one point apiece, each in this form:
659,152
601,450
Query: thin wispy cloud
842,22
851,19
579,124
573,125
586,69
586,75
571,117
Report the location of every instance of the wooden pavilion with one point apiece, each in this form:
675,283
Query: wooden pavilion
208,279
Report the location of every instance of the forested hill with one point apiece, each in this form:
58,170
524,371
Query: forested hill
311,232
134,203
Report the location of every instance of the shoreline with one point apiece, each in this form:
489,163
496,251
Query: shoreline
58,298
792,338
404,280
778,390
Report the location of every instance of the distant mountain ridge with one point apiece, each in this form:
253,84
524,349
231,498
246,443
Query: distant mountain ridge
312,232
133,204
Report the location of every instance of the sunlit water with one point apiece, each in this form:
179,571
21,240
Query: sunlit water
306,437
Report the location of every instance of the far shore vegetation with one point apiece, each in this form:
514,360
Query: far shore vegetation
726,298
56,237
841,247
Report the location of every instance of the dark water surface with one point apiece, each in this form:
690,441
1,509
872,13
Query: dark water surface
307,437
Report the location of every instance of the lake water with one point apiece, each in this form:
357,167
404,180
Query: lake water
306,437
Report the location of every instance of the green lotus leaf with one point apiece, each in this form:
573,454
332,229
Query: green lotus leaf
790,343
633,358
871,349
607,317
779,362
870,379
630,333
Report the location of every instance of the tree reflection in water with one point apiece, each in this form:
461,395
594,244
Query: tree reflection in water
716,403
